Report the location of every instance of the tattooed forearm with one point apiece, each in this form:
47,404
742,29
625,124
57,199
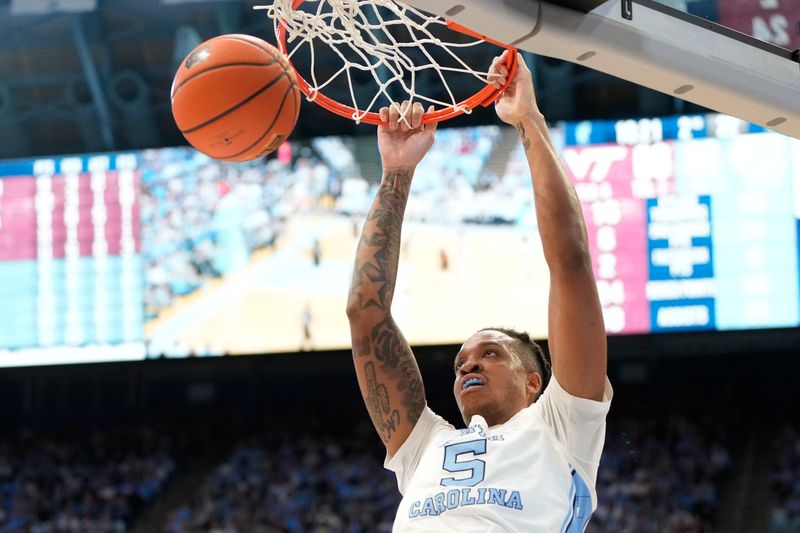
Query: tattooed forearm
526,143
390,346
392,349
412,388
399,180
375,272
362,347
384,418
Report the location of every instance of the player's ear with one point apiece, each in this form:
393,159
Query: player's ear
533,384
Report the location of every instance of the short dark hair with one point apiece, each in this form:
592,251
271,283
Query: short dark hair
533,358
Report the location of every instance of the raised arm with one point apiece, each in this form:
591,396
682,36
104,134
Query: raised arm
387,372
576,334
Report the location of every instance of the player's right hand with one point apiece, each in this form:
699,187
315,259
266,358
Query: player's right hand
403,139
518,101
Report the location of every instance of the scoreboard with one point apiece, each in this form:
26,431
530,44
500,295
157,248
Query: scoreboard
71,272
692,234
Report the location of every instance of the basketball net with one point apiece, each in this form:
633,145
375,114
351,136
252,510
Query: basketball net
362,36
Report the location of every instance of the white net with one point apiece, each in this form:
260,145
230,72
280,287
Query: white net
393,43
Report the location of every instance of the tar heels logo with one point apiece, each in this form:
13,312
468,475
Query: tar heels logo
474,429
197,56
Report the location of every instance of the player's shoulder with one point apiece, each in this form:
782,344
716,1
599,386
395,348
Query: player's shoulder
430,430
435,421
557,405
431,425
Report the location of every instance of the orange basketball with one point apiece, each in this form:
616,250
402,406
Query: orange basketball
235,98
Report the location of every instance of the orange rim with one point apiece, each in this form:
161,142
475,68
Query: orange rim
485,97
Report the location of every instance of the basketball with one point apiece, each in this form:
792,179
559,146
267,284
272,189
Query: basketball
235,98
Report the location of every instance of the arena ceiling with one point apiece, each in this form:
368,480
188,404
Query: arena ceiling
94,75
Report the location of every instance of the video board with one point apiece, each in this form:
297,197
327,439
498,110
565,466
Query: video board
69,260
693,225
773,21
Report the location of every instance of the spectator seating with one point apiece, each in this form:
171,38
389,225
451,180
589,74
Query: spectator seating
81,481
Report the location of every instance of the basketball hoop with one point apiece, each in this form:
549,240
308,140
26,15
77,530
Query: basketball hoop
364,35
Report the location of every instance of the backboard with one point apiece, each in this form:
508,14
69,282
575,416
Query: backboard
738,57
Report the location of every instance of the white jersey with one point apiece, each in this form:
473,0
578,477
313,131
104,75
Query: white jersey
535,473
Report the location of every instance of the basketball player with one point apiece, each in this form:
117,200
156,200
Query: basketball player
528,458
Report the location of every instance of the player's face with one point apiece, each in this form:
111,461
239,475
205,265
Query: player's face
490,380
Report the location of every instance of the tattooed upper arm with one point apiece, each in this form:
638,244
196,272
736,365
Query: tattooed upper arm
390,381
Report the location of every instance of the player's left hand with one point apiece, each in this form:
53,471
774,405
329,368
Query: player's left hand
518,101
403,140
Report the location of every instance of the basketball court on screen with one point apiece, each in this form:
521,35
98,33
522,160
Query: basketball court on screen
260,308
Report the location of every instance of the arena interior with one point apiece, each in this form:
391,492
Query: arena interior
173,339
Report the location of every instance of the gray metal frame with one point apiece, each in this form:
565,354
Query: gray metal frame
676,55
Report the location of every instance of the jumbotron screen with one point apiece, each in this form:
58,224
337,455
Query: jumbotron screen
692,221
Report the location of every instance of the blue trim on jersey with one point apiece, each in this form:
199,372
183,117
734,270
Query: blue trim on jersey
581,505
568,518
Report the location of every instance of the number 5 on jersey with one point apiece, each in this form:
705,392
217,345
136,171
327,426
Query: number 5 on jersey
453,464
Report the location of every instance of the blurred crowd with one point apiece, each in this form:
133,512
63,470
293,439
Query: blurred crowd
654,477
660,476
299,483
92,480
451,184
784,478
